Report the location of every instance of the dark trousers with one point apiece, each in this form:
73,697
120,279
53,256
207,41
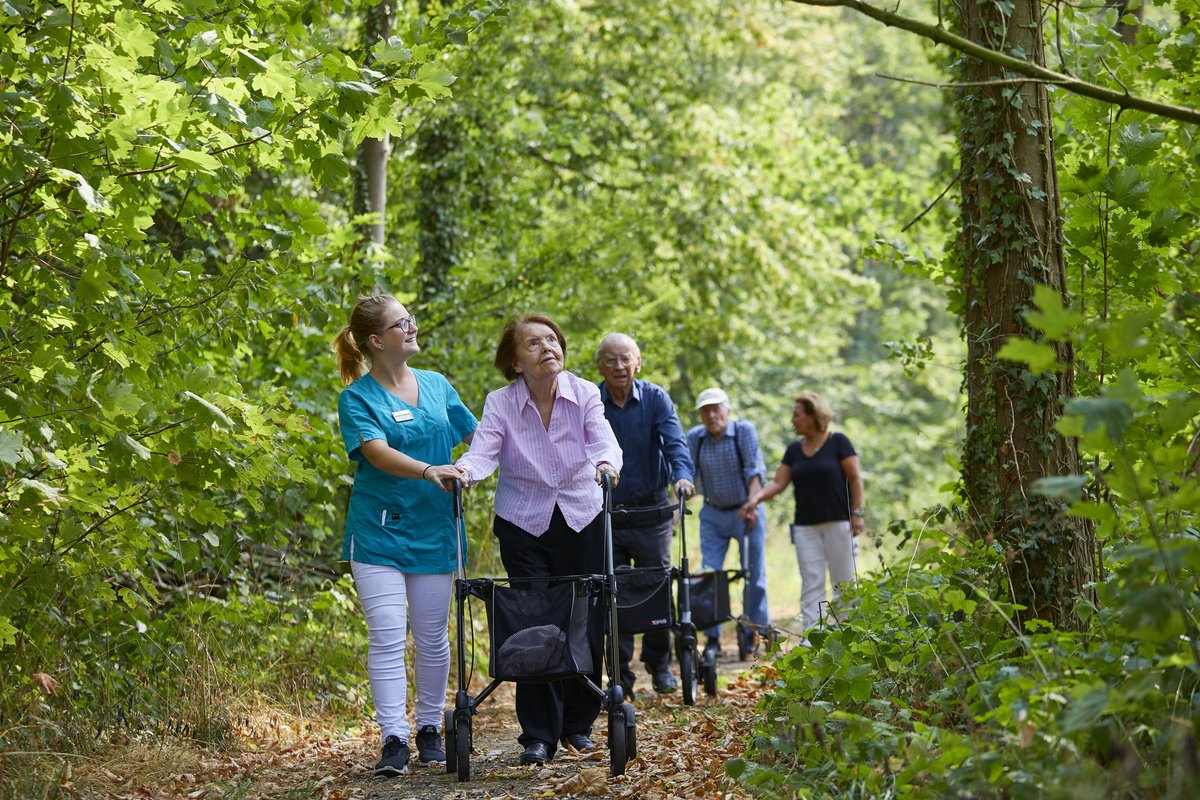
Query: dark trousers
551,710
644,546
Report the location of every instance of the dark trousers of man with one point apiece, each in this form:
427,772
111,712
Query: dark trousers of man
551,710
644,546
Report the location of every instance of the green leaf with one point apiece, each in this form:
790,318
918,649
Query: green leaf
134,38
1136,146
8,634
201,161
1086,710
50,494
1113,416
1069,487
1126,186
207,410
125,447
12,448
1052,318
90,197
1039,357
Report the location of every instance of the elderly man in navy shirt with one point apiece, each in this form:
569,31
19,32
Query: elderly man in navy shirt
656,457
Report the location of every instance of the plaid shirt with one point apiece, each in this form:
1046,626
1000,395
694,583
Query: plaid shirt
725,466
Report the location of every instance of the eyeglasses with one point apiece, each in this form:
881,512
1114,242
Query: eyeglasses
533,345
407,324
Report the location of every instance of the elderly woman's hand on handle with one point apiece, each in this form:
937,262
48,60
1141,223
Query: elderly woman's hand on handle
605,468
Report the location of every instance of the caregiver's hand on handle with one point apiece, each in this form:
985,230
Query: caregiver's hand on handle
444,475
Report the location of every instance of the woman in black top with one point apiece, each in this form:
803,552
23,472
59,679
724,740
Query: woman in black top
822,468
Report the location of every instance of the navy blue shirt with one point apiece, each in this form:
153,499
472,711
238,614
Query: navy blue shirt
651,440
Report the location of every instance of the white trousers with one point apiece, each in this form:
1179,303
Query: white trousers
820,548
393,601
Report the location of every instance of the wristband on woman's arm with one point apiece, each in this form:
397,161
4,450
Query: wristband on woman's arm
427,468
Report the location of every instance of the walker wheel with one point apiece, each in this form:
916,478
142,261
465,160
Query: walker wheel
630,731
708,672
687,675
618,754
451,744
462,733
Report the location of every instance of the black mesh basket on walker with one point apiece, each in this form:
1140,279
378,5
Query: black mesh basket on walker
644,599
539,634
710,598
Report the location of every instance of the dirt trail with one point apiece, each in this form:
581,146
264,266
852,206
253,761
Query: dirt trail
681,754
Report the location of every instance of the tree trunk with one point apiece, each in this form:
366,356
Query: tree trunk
370,173
1011,240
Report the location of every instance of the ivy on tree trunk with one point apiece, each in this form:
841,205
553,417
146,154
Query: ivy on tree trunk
1011,241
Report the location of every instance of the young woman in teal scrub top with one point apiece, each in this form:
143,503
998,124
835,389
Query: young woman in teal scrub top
400,425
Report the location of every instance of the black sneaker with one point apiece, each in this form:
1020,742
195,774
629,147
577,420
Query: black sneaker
429,746
395,757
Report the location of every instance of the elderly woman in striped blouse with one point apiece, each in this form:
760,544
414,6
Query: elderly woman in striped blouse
547,432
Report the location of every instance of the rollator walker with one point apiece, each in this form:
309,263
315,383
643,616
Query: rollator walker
540,633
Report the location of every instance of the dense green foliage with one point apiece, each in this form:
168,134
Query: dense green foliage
929,687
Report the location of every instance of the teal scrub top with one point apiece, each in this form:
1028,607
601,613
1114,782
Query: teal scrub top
407,523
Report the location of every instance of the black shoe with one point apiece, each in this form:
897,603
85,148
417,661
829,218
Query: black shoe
395,757
579,741
664,681
628,692
536,753
429,746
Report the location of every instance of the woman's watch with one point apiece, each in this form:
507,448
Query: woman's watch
857,512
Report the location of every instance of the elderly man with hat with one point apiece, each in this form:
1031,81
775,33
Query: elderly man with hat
729,470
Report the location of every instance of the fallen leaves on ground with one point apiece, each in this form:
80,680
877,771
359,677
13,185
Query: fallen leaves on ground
681,755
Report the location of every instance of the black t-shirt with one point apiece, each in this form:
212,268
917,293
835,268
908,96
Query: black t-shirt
822,492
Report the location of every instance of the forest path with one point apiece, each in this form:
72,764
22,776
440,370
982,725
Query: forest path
681,754
681,751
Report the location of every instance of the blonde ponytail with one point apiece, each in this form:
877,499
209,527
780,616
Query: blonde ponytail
368,316
351,363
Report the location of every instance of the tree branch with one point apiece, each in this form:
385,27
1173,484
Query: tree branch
1121,99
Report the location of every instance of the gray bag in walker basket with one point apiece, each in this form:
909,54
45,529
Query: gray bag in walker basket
539,634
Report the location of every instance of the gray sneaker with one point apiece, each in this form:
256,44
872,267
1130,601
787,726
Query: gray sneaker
429,746
395,757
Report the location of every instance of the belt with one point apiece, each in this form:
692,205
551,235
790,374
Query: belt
724,508
641,517
654,499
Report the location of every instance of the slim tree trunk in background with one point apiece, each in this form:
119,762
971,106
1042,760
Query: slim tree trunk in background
370,173
1011,241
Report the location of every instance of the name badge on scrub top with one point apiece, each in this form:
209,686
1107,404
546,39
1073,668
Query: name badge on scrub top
402,416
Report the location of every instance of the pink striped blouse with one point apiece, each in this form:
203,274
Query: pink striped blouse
540,467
